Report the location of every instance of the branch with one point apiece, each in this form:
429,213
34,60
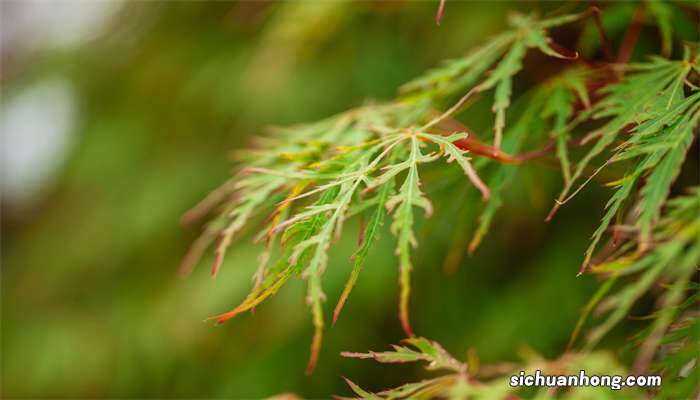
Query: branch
472,144
604,41
630,40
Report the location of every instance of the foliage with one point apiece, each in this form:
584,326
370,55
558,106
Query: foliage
671,262
640,118
313,177
461,381
652,99
87,257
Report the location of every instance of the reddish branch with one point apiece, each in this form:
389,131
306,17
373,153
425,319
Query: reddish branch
604,41
475,146
630,40
472,144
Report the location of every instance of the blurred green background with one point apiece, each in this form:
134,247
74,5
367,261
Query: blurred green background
118,117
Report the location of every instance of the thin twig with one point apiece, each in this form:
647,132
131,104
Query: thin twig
630,40
604,41
452,109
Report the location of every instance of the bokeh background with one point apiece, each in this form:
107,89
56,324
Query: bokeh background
119,116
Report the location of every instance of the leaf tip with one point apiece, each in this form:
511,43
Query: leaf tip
315,350
441,8
217,264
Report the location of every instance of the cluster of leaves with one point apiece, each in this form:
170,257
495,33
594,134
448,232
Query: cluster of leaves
650,107
310,179
506,51
656,109
353,178
460,381
367,162
671,264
